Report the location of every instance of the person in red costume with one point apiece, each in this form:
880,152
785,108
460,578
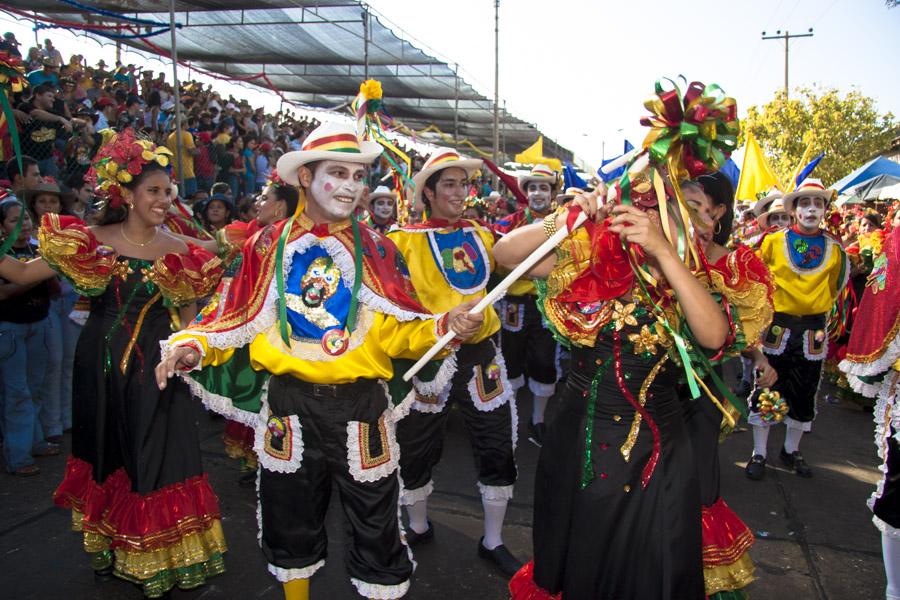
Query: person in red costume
134,481
872,365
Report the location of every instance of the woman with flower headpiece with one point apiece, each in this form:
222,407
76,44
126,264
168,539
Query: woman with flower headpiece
134,481
617,500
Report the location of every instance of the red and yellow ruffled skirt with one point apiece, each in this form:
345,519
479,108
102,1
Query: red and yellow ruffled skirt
171,536
727,566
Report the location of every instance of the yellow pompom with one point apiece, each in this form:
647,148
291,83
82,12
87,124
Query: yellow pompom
371,89
163,160
147,155
111,168
124,176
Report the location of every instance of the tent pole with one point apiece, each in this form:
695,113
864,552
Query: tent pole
496,87
365,17
456,107
176,86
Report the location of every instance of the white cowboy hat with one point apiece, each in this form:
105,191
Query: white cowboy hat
444,158
777,205
328,141
809,188
539,172
382,191
762,205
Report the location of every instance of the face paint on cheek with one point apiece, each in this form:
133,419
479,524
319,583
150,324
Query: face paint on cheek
328,187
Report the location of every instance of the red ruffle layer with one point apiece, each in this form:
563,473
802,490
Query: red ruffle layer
138,522
523,587
725,537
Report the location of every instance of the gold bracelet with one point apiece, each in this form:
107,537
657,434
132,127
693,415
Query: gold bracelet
550,225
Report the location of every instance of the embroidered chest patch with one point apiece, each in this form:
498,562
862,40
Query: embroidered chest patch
806,252
316,298
461,258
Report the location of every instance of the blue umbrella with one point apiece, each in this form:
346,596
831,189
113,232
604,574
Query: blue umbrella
870,170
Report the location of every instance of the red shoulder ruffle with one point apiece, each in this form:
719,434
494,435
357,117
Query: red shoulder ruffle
70,247
386,272
184,278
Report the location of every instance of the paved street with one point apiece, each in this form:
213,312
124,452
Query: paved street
815,539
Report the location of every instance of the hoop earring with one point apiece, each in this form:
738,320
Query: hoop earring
718,228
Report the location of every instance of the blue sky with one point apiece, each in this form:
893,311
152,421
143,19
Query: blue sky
581,69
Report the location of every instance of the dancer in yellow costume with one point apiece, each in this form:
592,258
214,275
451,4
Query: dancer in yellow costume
300,352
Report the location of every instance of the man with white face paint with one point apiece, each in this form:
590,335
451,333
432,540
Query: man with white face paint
382,209
810,269
450,262
308,334
530,350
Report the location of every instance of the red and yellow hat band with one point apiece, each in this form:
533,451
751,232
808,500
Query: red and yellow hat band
444,158
342,142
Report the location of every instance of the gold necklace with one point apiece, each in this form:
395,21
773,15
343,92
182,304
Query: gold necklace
138,244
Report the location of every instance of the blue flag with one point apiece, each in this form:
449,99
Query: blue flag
607,177
808,169
732,171
571,178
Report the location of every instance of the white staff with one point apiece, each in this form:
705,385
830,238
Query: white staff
535,257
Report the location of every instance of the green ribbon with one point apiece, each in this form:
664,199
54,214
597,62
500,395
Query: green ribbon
17,148
357,276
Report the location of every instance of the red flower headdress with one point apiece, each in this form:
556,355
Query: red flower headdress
119,161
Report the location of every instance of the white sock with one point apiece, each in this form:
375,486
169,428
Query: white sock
538,408
494,513
418,516
792,440
760,438
890,550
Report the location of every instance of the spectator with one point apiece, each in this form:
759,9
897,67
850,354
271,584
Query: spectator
263,170
248,164
33,60
44,128
78,202
51,54
204,168
23,324
217,212
131,116
188,152
28,178
108,111
10,44
48,73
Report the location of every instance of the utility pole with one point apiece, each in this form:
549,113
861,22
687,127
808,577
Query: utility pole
496,86
787,37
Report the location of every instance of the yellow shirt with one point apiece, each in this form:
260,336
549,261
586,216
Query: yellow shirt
187,159
384,330
449,265
804,289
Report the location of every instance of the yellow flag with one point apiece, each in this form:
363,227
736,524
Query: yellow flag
756,174
803,162
534,154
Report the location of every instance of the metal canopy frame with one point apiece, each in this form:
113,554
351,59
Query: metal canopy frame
316,52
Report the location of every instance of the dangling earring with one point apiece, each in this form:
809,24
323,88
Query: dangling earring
718,228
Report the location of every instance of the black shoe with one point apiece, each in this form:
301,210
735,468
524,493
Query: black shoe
413,538
508,564
536,433
756,468
796,461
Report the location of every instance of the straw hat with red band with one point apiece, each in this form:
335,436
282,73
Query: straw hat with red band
382,191
539,173
444,158
776,206
810,188
762,205
328,141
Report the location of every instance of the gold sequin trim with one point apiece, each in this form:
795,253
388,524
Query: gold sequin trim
631,438
123,364
729,577
192,549
369,460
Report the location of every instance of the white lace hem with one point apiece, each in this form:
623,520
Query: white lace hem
879,365
376,590
782,344
495,492
410,497
285,575
220,404
809,337
354,450
541,389
804,426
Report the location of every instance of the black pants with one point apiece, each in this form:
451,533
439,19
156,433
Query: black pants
528,346
485,401
317,436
